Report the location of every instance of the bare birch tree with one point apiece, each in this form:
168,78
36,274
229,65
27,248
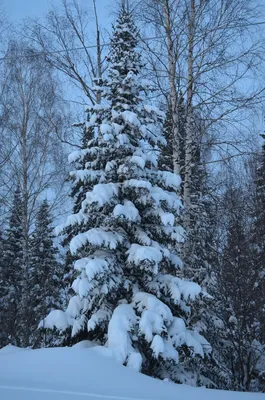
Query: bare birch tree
36,158
207,56
207,52
73,43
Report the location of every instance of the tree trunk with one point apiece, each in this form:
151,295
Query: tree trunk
173,89
189,121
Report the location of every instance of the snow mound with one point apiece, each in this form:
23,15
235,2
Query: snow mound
76,373
10,349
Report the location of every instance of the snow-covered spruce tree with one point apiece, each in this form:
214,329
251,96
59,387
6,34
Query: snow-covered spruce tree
128,294
12,275
45,273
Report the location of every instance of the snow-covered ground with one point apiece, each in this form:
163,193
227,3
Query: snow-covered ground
80,372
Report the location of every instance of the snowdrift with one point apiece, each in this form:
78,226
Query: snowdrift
78,372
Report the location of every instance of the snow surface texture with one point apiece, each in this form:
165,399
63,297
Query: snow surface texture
82,372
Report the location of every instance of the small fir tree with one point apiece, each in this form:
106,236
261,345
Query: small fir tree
12,274
45,273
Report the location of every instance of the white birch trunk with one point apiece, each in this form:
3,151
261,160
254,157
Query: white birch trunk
189,121
173,89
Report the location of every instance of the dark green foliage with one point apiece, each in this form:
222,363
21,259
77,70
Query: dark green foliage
45,273
11,277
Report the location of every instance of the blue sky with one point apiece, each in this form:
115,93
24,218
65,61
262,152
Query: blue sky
17,10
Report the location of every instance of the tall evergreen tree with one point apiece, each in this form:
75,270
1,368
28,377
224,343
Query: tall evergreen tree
127,290
12,274
45,273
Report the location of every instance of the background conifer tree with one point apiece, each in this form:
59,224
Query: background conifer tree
45,273
12,274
